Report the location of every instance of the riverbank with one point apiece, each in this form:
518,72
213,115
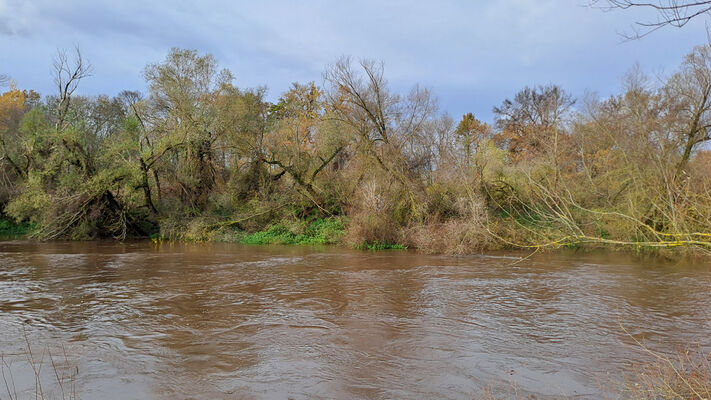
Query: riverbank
312,231
452,238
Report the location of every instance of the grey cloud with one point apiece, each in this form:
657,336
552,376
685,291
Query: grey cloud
472,54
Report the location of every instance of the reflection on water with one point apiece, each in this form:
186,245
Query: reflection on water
228,321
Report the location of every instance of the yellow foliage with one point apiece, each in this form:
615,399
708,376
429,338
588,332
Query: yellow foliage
11,102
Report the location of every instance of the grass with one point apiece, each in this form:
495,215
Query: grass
10,229
55,376
319,231
376,246
685,375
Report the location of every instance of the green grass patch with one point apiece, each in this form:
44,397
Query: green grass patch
11,229
376,246
319,231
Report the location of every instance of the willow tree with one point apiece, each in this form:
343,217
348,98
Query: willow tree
301,143
184,91
636,178
67,188
244,118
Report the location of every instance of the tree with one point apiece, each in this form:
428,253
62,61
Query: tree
12,108
136,147
532,123
689,94
637,154
67,76
66,188
390,129
471,131
300,142
245,115
676,13
184,91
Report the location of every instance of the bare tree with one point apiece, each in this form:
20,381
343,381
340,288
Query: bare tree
4,80
67,75
390,127
676,13
689,91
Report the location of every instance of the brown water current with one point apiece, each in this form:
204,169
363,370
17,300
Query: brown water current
179,321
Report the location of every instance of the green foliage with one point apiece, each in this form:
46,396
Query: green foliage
319,231
12,229
327,230
32,204
377,246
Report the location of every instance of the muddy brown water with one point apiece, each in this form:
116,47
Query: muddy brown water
137,320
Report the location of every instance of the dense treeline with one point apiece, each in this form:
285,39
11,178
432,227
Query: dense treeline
199,158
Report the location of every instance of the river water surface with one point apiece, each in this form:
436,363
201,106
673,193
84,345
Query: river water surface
178,321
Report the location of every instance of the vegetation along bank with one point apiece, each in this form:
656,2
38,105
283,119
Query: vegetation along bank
351,161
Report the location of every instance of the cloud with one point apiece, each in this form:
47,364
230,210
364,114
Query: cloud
472,54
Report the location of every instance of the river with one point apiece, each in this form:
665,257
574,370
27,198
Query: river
176,321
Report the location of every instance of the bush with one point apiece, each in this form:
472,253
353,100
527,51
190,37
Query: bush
374,215
465,233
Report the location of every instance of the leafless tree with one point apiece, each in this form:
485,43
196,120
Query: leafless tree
4,80
676,13
390,126
689,92
391,129
67,75
68,72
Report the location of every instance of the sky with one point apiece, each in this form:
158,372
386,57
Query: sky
472,54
